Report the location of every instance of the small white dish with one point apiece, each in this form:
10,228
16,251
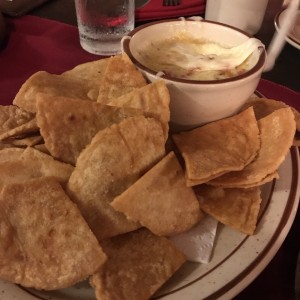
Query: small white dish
197,102
294,36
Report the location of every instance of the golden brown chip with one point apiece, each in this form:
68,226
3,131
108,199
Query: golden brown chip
236,208
33,164
92,70
120,77
153,99
68,125
277,131
138,264
12,116
160,200
42,148
45,242
264,106
24,142
115,159
22,130
55,85
9,154
219,147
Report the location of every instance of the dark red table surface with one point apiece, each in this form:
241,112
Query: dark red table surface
277,280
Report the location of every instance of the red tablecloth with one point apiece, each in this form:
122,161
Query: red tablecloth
38,44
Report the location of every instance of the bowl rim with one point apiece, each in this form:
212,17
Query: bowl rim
126,42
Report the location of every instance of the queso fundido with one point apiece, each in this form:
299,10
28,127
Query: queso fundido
172,54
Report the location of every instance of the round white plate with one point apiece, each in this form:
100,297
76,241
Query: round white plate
294,35
236,261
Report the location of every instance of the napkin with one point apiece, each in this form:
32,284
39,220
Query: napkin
197,243
154,10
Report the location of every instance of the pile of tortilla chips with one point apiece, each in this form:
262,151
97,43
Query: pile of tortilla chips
90,188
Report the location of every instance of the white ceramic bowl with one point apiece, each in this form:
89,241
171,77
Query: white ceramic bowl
196,102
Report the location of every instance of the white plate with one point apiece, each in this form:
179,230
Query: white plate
294,35
236,261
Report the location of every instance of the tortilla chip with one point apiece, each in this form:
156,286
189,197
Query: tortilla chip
236,208
153,99
116,157
45,242
120,77
263,107
55,85
24,142
277,131
42,148
68,125
92,70
33,164
160,200
219,147
12,116
22,130
138,264
9,154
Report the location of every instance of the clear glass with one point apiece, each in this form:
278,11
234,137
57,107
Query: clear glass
102,24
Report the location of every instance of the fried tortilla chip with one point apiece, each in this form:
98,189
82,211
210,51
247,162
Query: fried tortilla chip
23,130
153,99
138,264
120,77
68,125
277,131
92,70
160,200
263,107
9,154
219,147
45,242
24,142
12,116
33,164
55,85
116,157
236,208
42,148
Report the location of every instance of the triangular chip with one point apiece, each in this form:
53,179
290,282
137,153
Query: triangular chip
160,200
277,131
55,85
92,70
236,208
138,264
120,77
45,242
33,164
153,99
24,141
116,157
68,125
12,116
219,147
264,106
23,130
9,154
